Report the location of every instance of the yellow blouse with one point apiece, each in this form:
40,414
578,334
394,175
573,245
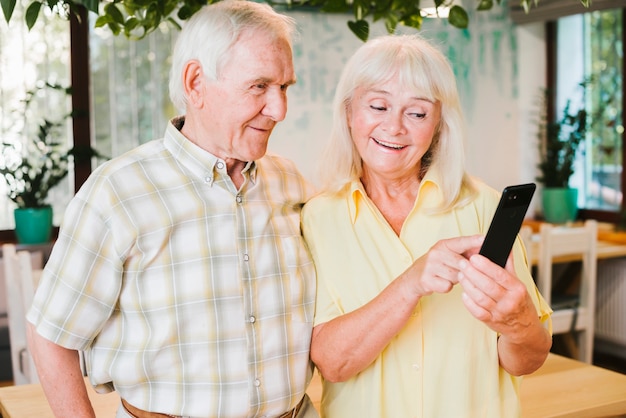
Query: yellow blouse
444,363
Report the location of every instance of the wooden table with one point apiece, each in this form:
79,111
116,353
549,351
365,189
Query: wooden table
562,387
29,401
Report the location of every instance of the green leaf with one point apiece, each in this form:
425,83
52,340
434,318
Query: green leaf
32,13
361,9
335,6
91,5
174,23
485,5
114,28
116,16
458,17
413,21
7,8
361,28
101,21
130,24
391,20
391,24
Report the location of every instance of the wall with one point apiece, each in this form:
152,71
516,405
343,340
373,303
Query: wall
498,65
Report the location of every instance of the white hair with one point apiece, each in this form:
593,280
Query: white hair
211,32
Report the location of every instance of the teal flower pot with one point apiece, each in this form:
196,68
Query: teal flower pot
33,225
560,205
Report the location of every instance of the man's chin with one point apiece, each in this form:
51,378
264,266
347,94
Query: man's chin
257,152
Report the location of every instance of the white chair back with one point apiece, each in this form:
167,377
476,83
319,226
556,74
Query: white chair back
573,310
20,288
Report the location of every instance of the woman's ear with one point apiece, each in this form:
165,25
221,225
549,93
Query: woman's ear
194,83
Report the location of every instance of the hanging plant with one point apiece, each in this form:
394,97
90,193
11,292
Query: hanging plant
136,19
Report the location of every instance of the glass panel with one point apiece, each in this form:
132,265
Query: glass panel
590,49
129,82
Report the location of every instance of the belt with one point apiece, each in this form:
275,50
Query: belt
140,413
294,412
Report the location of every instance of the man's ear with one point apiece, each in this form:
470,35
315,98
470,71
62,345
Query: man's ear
194,83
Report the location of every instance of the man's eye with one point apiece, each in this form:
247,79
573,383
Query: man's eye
379,108
260,86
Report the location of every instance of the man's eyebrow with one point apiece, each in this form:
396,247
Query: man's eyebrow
265,80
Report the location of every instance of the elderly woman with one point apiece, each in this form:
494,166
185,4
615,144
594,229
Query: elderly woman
410,320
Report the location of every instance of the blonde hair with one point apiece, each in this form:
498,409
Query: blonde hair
420,67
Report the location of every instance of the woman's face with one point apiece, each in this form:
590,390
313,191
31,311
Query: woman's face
392,128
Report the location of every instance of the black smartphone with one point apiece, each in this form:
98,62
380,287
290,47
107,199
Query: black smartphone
507,222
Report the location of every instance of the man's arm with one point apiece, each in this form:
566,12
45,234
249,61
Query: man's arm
60,376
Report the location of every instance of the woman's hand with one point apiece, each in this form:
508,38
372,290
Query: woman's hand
438,270
498,298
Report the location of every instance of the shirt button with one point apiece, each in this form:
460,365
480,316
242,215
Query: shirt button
252,319
220,165
239,199
257,382
208,179
246,257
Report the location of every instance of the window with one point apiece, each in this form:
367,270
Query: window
590,48
128,90
27,58
129,93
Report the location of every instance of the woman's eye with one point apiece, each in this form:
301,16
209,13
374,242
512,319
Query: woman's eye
418,115
379,108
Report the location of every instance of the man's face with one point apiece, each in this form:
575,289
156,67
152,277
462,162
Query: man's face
248,99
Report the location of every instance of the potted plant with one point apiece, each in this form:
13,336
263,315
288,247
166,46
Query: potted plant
558,145
36,163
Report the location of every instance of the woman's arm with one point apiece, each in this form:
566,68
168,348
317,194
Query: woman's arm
346,345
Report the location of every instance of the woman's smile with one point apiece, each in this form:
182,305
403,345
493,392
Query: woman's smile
389,145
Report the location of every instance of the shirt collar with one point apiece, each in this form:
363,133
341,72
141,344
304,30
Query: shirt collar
200,162
429,189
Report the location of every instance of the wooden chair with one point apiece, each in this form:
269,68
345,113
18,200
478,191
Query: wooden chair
20,288
573,305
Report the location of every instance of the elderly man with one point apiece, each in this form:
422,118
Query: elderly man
180,270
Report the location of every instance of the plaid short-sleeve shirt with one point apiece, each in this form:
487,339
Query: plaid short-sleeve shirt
189,297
